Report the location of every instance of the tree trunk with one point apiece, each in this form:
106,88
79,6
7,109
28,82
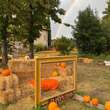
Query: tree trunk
31,47
4,51
49,33
5,42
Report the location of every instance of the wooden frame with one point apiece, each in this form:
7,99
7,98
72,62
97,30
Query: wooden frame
54,59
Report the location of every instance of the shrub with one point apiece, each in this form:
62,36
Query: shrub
64,45
40,47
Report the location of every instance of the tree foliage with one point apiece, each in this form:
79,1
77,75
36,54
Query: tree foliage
25,19
106,24
64,45
35,16
88,32
7,10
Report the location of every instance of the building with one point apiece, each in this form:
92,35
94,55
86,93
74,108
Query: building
43,39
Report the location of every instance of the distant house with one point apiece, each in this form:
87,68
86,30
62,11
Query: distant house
43,39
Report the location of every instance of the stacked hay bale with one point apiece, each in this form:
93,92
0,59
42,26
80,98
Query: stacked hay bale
25,70
8,85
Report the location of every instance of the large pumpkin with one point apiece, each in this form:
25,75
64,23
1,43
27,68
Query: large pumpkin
95,101
107,105
6,72
86,99
52,106
47,84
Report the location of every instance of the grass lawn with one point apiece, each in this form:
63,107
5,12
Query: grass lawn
94,80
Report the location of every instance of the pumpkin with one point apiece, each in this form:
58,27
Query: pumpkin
63,65
54,74
47,84
52,106
107,105
95,101
6,72
86,99
57,108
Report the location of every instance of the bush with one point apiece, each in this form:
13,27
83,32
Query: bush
64,45
40,47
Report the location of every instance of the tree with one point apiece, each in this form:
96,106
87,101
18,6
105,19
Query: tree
106,24
88,32
7,10
36,16
64,45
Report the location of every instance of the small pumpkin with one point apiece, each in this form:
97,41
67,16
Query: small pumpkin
95,101
86,99
107,105
52,106
63,65
57,108
54,74
6,72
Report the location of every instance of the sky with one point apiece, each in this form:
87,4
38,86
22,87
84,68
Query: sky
72,8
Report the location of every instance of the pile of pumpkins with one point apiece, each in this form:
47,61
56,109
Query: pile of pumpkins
95,102
9,83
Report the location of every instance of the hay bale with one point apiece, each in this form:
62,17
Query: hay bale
87,60
2,83
15,80
23,104
3,97
7,82
24,69
10,95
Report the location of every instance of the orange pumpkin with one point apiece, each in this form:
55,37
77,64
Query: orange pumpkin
107,105
95,101
57,108
63,65
48,84
6,72
45,85
86,99
52,106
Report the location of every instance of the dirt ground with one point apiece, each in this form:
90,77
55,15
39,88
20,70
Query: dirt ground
74,105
